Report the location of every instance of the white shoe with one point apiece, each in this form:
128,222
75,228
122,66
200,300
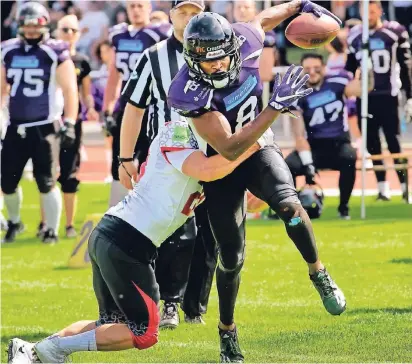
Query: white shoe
48,351
20,352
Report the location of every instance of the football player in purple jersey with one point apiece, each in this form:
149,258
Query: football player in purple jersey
218,92
391,59
40,79
322,137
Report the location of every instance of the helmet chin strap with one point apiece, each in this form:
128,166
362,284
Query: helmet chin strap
34,41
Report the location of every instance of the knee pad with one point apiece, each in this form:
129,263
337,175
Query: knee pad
230,273
70,185
291,211
44,184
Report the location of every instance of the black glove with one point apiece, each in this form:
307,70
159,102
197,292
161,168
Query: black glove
109,124
67,134
310,173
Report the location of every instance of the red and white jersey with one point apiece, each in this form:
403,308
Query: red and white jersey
164,197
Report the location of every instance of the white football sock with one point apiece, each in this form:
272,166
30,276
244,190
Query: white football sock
117,193
52,205
13,205
85,341
384,189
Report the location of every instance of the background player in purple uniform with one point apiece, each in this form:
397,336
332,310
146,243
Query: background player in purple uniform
218,91
38,73
390,50
327,142
129,42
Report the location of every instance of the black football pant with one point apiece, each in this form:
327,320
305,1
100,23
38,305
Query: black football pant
338,155
267,176
123,279
385,116
202,268
70,162
41,144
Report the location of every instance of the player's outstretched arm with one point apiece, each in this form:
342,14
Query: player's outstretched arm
272,17
66,79
215,129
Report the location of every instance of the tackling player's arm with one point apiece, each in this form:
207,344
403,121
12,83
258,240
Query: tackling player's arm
202,168
66,79
266,63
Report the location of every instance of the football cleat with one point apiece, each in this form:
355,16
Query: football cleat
170,316
50,237
195,320
12,231
48,351
332,297
343,212
229,347
20,351
382,197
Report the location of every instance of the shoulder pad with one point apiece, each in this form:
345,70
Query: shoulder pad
117,29
10,43
188,97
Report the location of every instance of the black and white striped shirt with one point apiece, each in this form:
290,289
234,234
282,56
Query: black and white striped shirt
150,80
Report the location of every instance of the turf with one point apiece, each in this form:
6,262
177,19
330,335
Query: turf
279,314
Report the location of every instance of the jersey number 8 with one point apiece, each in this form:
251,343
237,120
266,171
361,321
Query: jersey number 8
30,77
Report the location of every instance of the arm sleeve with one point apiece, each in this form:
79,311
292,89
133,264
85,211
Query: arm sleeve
138,88
177,158
405,62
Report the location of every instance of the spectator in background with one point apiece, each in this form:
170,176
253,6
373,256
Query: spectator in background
224,8
159,17
94,27
245,11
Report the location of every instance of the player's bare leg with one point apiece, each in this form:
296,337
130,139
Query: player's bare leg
70,204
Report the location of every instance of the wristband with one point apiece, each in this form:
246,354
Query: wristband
121,160
69,121
306,157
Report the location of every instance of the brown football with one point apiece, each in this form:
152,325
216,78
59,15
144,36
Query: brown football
307,31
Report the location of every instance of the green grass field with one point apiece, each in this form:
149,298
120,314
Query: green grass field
279,314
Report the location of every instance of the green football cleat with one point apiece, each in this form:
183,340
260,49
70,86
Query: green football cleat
229,347
332,297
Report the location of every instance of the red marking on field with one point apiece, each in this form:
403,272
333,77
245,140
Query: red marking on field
96,169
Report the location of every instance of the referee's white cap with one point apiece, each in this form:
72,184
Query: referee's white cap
199,3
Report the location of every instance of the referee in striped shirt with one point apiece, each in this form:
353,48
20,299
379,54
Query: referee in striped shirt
148,88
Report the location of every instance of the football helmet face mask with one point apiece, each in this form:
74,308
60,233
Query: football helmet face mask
33,14
209,36
311,198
